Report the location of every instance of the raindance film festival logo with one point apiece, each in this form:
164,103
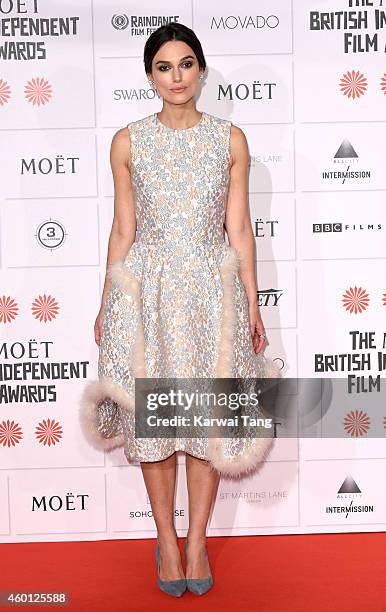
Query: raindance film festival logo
347,157
141,25
51,234
348,494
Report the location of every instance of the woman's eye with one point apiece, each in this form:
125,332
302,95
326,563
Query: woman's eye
188,64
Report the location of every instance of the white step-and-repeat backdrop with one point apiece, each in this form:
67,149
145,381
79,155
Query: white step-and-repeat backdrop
307,84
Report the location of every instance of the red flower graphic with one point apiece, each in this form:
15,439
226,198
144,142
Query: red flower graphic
38,91
355,300
353,84
10,433
8,309
5,92
384,299
49,432
356,423
45,308
383,83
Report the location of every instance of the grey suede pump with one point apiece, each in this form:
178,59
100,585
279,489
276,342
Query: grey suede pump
171,587
199,586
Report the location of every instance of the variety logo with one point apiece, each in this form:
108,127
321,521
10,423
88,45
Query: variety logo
51,234
269,297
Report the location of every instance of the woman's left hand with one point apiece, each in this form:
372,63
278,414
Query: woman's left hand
257,328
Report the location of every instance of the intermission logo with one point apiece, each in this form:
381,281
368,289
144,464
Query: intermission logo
20,21
244,22
348,496
141,25
347,157
51,234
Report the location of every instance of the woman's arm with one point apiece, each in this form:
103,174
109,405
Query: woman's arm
239,229
124,225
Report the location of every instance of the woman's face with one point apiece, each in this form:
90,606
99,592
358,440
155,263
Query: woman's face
175,72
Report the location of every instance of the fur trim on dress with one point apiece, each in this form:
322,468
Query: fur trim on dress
129,284
260,447
93,394
98,390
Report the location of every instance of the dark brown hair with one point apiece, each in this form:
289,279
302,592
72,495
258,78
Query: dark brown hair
172,31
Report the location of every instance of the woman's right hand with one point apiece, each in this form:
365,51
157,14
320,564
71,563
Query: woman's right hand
98,325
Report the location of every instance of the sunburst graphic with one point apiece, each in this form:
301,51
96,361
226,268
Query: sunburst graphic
356,423
353,84
355,300
38,91
383,83
49,432
384,299
45,308
10,433
5,92
8,309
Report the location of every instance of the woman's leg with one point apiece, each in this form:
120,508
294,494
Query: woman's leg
160,481
202,484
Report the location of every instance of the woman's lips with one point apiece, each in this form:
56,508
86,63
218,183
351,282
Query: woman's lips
178,89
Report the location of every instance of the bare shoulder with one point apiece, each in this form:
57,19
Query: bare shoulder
120,145
239,144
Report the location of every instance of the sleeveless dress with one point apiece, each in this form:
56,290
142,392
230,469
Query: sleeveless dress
176,306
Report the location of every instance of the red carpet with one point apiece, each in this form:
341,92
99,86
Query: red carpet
330,572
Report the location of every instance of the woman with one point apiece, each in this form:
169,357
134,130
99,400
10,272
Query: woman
177,301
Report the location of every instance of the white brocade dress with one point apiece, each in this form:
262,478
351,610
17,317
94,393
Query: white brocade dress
177,307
